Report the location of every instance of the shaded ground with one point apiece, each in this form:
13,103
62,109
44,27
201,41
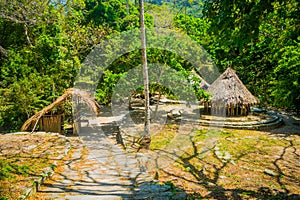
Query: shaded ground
98,168
205,163
232,164
23,157
291,125
225,164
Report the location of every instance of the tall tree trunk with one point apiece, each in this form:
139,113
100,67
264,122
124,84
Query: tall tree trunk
127,7
159,95
145,140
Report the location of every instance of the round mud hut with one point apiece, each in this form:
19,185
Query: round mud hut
54,116
229,96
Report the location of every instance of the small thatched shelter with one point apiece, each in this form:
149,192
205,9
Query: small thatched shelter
230,96
53,120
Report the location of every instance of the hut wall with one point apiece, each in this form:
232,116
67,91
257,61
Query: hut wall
51,123
229,111
76,127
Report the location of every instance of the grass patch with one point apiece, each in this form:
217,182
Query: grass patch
250,153
163,138
8,170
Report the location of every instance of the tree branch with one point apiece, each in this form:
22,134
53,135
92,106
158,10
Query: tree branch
3,51
13,19
26,34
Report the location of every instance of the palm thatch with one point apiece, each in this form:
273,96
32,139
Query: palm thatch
70,93
229,92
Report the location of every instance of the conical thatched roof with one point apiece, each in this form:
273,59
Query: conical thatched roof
67,96
228,90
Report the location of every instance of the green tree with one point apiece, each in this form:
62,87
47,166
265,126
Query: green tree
45,42
286,82
251,36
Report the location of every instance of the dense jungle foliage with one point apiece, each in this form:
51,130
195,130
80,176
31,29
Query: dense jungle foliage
43,43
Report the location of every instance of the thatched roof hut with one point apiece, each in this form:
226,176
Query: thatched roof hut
230,96
46,120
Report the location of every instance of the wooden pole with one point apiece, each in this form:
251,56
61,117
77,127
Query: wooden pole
228,110
146,78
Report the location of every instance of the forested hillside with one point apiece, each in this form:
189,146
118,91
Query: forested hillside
43,43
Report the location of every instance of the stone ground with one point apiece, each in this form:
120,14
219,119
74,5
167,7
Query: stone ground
24,157
291,124
98,168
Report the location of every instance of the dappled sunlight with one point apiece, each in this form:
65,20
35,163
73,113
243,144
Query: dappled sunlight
243,163
24,157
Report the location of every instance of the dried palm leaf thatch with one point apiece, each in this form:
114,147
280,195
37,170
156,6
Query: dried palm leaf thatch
229,91
70,93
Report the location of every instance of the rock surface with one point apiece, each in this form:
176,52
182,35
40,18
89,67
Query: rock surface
101,169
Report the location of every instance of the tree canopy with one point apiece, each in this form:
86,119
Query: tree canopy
43,43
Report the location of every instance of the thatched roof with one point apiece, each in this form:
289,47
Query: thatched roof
228,90
67,96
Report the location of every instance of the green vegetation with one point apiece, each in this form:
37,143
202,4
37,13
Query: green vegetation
8,170
161,139
43,43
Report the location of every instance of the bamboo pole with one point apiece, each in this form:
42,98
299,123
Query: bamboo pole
37,120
